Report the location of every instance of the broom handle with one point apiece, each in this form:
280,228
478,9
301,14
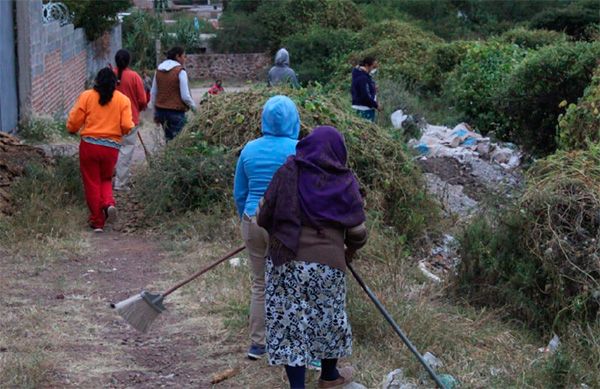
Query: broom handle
143,146
396,328
199,273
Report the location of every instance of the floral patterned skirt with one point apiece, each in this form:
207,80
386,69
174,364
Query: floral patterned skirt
306,313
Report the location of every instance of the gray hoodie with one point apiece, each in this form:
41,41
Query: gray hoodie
281,72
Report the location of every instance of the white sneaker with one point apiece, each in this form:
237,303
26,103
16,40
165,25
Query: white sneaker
98,230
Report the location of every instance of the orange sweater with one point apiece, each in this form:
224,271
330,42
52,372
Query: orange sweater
110,121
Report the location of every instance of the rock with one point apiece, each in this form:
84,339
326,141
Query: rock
397,380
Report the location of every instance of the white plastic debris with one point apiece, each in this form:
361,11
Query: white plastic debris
398,117
552,345
397,380
427,273
433,361
237,261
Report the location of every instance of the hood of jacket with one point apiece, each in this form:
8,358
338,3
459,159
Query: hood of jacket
357,73
280,118
282,58
167,65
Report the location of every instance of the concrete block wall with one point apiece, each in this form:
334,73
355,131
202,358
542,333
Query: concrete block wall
253,66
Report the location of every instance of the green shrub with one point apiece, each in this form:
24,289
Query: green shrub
580,125
573,19
190,175
532,39
317,52
530,97
539,258
47,201
183,33
240,33
43,129
441,60
472,87
96,17
140,31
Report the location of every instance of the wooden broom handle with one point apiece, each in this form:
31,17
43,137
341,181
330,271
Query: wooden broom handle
199,273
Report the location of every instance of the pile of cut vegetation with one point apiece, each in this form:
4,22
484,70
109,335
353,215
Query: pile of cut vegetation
200,163
542,258
14,158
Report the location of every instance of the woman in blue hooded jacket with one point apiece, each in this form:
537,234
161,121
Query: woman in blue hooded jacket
258,162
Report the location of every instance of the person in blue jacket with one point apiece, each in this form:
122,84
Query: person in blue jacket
258,162
364,90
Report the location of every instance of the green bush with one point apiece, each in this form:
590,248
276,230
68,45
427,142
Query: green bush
96,17
317,52
240,33
441,60
539,257
472,88
190,175
574,19
532,39
530,97
183,33
580,125
43,129
140,31
400,48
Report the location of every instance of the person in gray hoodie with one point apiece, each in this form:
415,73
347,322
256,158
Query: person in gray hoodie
281,73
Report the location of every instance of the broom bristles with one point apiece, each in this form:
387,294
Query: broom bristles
137,312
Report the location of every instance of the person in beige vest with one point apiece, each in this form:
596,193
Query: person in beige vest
170,94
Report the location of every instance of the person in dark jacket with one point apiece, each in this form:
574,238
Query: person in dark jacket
364,90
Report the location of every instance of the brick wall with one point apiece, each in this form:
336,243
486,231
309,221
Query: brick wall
228,66
55,61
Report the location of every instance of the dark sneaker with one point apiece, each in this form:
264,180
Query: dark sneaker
111,214
256,351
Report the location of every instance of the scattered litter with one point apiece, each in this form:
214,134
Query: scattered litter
397,380
398,117
427,273
167,377
552,345
237,261
433,361
223,375
91,271
448,381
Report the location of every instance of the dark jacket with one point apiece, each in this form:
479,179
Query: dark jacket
363,89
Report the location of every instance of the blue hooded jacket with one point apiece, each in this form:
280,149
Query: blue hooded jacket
261,157
363,89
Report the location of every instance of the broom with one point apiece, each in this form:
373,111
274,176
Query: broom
143,308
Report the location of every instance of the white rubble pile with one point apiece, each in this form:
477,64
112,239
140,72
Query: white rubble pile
464,145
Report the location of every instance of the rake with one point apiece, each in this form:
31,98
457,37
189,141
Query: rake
143,308
396,328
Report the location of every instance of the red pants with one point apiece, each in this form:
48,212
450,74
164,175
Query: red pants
97,165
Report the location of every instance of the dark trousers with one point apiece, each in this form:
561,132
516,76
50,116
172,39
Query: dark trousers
172,121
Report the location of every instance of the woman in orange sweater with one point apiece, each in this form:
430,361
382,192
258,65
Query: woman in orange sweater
102,116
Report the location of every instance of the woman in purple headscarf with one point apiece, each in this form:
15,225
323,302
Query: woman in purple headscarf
313,212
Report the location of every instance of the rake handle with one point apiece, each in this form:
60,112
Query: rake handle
396,328
146,153
199,273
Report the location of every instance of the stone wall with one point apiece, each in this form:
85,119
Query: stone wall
55,61
228,66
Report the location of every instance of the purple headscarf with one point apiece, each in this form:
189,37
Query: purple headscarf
328,192
314,187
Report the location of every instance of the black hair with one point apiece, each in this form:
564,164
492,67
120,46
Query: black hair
122,59
367,61
174,52
105,84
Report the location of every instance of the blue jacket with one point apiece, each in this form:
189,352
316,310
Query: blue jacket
363,89
261,157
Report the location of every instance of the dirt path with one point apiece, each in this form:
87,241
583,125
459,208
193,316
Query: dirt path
65,316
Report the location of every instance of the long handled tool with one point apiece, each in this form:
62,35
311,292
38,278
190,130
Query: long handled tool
396,328
143,308
146,153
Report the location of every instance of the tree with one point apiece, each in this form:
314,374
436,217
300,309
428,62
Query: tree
96,16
